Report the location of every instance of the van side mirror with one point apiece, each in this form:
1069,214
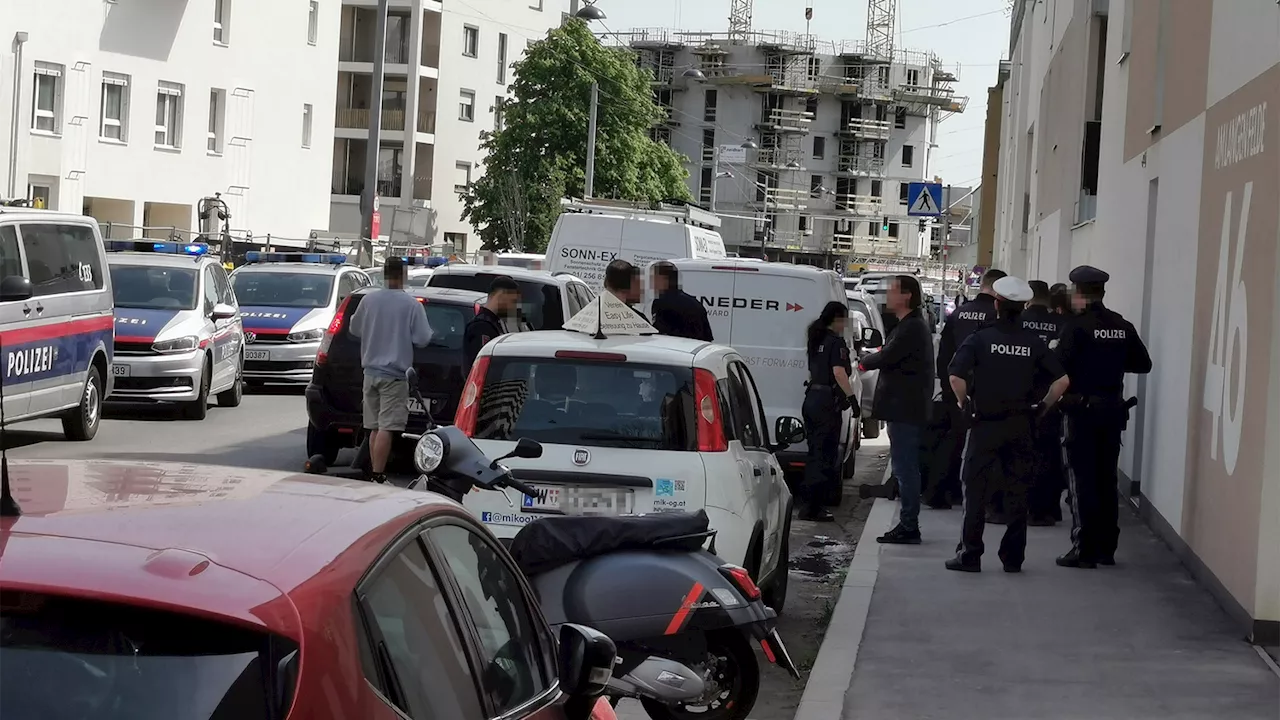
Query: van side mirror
788,431
15,288
223,311
585,666
871,337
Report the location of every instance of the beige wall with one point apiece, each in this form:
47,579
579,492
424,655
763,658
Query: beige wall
990,175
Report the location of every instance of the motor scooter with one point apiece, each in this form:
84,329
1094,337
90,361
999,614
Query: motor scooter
684,621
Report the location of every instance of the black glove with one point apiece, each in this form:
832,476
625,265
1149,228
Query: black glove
843,402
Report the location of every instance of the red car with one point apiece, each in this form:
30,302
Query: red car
146,591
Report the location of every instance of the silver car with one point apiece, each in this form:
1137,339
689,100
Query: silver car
864,313
178,336
287,301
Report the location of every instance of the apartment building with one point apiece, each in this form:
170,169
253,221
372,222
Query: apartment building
834,132
134,111
448,66
1140,136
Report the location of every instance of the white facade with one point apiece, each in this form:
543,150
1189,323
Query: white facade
1187,106
113,113
447,67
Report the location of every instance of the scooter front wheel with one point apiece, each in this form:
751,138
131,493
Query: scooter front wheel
731,665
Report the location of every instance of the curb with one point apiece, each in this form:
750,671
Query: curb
832,672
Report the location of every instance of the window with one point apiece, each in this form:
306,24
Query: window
169,115
709,106
893,229
10,260
913,78
224,286
459,243
908,155
313,22
877,150
217,107
819,147
900,118
467,105
470,40
747,424
283,289
221,21
502,58
46,103
815,186
704,185
804,224
115,107
815,68
514,644
462,177
306,126
882,113
499,112
408,618
61,258
347,284
811,106
41,196
211,296
903,190
708,143
875,188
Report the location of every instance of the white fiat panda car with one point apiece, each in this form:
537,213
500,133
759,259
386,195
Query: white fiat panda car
633,423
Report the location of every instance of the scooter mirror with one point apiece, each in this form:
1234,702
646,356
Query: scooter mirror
586,660
525,448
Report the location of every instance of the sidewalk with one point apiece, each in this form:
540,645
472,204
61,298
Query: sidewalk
1136,641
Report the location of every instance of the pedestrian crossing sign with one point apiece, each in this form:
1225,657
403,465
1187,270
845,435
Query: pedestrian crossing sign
924,199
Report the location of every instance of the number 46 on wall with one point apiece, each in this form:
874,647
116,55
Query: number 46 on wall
1228,340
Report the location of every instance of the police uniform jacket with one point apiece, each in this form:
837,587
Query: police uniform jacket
677,313
485,326
832,353
1043,322
904,391
1007,368
964,321
1097,348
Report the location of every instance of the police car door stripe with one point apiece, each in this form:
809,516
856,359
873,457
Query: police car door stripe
53,330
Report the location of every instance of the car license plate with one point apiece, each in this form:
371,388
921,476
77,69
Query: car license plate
257,354
415,407
120,370
579,501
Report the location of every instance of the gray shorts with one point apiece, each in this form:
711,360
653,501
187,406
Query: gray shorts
386,403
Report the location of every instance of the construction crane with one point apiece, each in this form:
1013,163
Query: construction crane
881,17
739,21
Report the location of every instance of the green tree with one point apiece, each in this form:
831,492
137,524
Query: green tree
540,153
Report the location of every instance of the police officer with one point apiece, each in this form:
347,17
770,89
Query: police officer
826,396
1060,299
1002,368
1044,499
1097,347
503,301
944,470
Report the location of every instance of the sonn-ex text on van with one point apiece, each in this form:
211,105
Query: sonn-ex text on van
584,254
741,303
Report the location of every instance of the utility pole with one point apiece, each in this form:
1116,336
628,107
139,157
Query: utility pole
590,188
368,199
946,233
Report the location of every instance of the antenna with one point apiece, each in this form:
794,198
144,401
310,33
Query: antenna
8,505
600,320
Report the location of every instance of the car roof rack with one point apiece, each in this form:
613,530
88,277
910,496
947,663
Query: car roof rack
679,212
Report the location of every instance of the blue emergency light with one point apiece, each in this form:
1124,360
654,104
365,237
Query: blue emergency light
415,260
149,246
253,256
437,261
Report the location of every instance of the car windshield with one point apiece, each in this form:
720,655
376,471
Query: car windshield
448,323
376,276
857,306
588,403
153,288
539,301
282,289
67,659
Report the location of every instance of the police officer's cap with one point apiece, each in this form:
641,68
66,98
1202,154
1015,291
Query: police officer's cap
1088,275
1013,289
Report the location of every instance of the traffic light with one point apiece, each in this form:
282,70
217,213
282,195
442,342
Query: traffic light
923,226
884,225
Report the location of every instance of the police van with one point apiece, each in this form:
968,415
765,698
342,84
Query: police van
589,234
287,300
178,333
55,319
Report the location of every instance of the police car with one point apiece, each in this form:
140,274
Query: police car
178,333
55,319
633,422
287,301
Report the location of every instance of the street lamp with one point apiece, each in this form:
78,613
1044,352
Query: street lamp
590,13
694,74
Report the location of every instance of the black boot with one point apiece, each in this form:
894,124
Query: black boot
958,564
816,513
1073,559
900,536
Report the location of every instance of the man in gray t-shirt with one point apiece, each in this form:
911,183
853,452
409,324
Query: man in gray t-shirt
389,323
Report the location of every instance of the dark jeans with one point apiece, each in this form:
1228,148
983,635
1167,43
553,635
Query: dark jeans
821,414
945,455
997,459
1092,449
904,456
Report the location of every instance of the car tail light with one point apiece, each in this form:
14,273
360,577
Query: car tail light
741,579
710,428
469,405
477,308
322,354
589,355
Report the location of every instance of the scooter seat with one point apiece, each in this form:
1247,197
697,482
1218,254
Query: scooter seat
546,544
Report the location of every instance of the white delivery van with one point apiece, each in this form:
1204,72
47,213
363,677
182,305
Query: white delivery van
589,234
761,309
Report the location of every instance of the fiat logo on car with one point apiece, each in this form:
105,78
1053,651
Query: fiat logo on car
581,456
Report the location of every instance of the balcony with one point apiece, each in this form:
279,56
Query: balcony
427,121
860,204
388,187
397,53
861,166
778,159
358,119
872,129
775,198
780,120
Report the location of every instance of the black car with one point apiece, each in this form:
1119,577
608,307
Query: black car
335,396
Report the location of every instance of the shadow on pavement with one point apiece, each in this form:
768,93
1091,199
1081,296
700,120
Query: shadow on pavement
263,452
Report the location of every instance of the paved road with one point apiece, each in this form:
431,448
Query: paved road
266,431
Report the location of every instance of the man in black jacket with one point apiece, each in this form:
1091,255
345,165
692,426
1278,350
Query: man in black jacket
904,396
676,312
504,298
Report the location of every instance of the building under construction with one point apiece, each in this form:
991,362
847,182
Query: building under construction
804,147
